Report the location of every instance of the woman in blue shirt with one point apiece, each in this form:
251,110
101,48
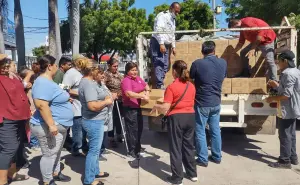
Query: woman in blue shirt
51,120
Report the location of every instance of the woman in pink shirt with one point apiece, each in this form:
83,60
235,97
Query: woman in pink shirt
133,90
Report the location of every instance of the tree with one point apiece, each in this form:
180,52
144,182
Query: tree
54,30
66,45
74,24
111,26
20,40
194,15
39,51
3,11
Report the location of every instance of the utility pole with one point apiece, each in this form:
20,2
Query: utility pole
214,14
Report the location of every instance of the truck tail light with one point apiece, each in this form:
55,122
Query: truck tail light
257,104
273,105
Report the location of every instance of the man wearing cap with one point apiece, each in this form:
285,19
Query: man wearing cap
289,97
161,44
262,40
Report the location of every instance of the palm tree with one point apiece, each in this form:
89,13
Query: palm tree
74,22
20,40
3,11
54,30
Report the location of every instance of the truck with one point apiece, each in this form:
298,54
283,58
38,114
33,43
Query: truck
247,111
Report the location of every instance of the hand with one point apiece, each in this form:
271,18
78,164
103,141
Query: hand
145,97
29,85
251,53
163,48
32,112
53,130
71,100
154,109
108,100
273,83
114,96
269,100
174,51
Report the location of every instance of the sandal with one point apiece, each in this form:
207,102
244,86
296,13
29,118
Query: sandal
105,174
18,177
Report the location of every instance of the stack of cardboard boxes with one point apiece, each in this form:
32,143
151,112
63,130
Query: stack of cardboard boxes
189,51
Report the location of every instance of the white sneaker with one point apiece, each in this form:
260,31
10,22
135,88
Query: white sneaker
194,179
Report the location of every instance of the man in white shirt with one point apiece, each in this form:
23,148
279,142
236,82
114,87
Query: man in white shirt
162,44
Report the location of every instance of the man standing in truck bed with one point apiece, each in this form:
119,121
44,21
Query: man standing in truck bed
161,44
262,40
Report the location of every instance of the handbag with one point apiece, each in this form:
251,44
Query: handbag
164,119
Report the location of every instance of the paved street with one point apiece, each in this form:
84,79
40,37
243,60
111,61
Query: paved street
245,162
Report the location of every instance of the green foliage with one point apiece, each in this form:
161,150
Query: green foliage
194,15
65,36
39,51
111,26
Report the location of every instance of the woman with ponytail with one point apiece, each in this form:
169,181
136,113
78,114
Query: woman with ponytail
178,106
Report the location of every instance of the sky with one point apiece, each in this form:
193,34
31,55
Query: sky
35,14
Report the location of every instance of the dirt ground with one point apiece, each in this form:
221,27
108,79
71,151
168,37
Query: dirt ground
245,162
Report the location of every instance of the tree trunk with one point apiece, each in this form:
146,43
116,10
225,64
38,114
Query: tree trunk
54,31
20,40
75,27
2,46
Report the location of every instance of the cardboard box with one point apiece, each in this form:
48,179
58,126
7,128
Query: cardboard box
156,94
182,47
239,85
226,87
258,86
147,112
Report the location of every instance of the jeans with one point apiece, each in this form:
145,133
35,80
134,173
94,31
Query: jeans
10,133
268,54
160,62
79,136
34,142
287,138
181,129
210,116
51,147
95,132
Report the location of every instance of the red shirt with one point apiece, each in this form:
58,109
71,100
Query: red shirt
175,91
268,36
136,85
13,100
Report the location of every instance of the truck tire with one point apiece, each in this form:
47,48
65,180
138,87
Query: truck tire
260,125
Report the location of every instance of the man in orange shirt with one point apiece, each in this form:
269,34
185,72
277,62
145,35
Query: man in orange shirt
262,40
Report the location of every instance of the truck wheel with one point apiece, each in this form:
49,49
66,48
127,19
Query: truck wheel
260,125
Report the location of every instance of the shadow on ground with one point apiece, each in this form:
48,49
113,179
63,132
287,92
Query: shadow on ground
238,144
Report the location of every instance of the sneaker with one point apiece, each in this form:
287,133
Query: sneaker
213,160
120,139
201,163
35,148
295,162
62,178
281,165
142,151
173,182
102,158
193,179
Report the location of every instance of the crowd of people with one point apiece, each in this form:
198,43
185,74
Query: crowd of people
48,103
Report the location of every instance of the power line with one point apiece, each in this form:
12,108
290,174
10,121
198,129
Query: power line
34,30
40,19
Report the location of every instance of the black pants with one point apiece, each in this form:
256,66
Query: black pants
10,133
287,138
134,128
116,120
20,155
181,129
